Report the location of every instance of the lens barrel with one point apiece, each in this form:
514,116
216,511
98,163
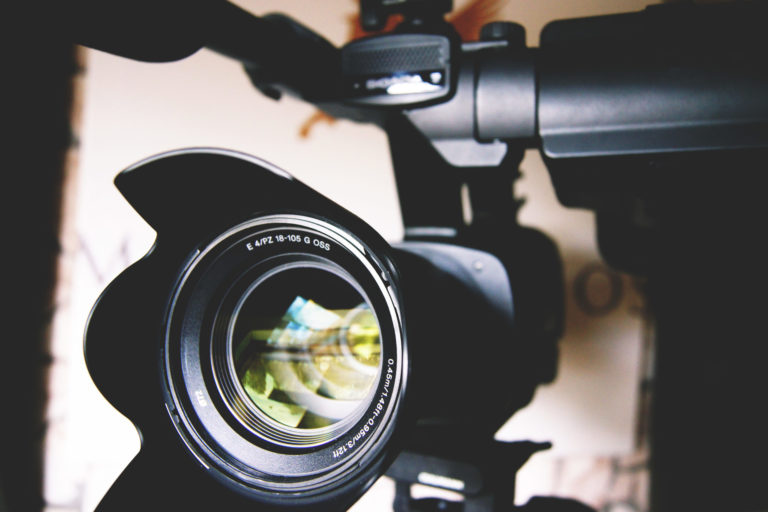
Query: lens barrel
258,347
284,354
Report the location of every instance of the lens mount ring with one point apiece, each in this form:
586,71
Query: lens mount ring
217,420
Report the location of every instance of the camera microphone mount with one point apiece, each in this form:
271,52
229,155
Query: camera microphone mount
374,14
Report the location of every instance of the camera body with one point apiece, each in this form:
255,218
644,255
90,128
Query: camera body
271,347
636,116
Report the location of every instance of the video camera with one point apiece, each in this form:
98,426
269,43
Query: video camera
289,356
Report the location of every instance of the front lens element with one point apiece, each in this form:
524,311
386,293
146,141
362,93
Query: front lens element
306,347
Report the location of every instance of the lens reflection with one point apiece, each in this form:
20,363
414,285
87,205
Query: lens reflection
306,347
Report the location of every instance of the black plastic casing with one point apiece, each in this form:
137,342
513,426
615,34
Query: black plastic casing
189,197
640,113
373,67
667,79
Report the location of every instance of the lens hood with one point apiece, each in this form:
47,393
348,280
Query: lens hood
258,347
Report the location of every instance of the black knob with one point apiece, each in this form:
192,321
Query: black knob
512,33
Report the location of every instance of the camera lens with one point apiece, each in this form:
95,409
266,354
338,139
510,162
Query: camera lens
284,357
305,347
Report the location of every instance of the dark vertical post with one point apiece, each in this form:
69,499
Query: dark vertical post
38,137
709,291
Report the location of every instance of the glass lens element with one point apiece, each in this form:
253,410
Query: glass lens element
306,347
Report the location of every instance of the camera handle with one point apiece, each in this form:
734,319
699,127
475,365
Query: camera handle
440,200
